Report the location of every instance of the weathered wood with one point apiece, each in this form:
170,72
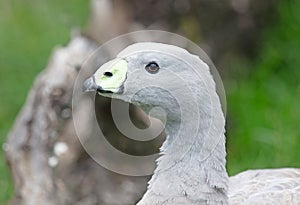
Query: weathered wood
44,175
39,126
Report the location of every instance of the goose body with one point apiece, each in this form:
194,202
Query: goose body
191,167
267,186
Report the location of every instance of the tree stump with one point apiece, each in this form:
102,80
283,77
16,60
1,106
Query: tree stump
48,164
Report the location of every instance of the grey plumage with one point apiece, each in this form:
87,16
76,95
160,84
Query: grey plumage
191,169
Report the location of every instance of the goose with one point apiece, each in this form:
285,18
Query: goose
191,168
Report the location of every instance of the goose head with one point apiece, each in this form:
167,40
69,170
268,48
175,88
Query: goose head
155,75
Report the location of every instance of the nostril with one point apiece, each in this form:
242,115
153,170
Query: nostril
108,74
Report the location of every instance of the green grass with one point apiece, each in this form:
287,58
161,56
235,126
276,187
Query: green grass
263,99
29,30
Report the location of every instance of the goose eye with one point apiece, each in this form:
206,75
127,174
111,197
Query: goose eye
152,67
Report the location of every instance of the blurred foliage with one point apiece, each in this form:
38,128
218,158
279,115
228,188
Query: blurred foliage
263,99
263,94
28,32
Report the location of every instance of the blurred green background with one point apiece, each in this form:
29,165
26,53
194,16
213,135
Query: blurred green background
263,98
263,92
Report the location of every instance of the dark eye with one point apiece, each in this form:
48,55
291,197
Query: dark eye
152,67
